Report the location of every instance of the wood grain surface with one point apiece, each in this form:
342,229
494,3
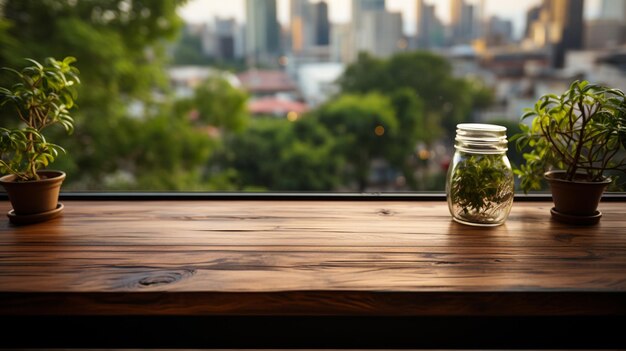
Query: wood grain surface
309,258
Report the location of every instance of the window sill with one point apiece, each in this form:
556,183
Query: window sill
309,259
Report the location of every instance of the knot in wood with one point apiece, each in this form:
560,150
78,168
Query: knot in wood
385,212
165,277
564,237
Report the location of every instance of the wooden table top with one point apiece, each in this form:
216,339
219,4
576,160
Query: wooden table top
309,258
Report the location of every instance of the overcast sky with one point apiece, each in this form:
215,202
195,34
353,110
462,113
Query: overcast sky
200,11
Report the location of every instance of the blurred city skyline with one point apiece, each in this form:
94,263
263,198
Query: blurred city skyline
204,11
297,57
553,43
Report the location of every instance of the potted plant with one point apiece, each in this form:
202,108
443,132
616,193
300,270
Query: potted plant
42,96
574,139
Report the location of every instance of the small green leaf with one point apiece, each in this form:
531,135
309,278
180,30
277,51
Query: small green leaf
69,60
35,63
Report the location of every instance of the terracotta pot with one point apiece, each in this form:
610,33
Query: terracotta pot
577,197
33,197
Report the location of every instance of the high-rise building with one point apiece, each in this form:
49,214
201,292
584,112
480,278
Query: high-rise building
225,36
613,9
375,30
367,5
382,33
341,46
322,24
498,31
532,16
421,34
262,32
359,38
604,34
567,17
359,7
456,7
560,28
609,29
207,38
462,22
481,19
430,30
302,25
310,26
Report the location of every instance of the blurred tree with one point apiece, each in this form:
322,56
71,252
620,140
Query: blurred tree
447,100
162,153
119,43
365,127
409,109
217,103
367,74
120,128
6,40
275,154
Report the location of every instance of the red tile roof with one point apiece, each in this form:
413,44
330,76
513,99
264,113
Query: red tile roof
266,81
273,106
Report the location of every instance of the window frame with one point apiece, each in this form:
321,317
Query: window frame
288,196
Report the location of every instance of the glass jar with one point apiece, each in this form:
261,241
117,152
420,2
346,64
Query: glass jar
480,185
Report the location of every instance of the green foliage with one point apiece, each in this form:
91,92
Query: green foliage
6,41
42,96
216,102
481,186
409,111
447,100
118,41
276,154
581,131
365,75
121,46
365,127
163,153
24,151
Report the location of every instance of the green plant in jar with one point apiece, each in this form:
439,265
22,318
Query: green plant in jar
480,184
480,187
